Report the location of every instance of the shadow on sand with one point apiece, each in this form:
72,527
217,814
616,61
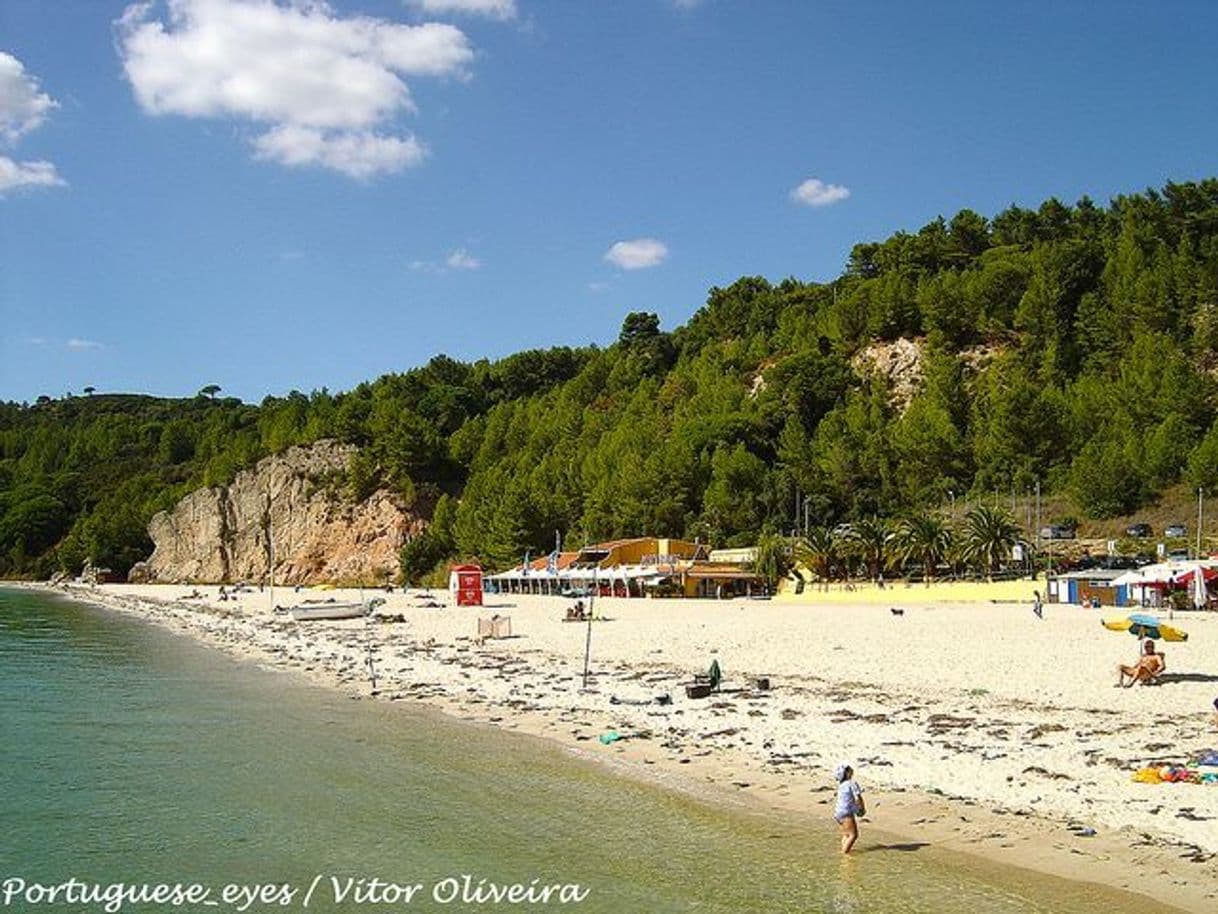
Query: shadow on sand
1187,677
907,846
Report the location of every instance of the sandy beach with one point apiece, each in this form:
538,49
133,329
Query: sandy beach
973,727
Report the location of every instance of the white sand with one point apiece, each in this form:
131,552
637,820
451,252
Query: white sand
976,726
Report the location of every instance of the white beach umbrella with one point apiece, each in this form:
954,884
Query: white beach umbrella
1200,594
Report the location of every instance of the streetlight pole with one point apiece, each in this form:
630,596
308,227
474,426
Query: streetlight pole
1038,521
1200,494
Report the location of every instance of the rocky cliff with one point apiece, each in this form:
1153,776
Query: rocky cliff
221,534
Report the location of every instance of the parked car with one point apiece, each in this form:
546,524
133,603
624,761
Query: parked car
1056,532
1176,530
1140,530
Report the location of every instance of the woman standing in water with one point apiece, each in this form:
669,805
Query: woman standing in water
849,806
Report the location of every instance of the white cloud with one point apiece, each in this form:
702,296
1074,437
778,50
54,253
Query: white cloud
815,192
359,154
23,107
494,9
637,254
27,174
461,259
326,89
80,345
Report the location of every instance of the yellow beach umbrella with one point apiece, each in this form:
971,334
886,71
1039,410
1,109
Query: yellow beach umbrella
1141,625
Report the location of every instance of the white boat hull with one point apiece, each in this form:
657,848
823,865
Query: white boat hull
329,611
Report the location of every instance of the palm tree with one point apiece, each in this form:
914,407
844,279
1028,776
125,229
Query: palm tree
818,552
772,559
869,539
989,536
927,538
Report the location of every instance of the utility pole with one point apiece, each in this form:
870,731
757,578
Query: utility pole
1200,495
1038,517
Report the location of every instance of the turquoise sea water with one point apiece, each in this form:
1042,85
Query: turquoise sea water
129,754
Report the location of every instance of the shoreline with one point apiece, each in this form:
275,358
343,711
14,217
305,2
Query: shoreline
764,751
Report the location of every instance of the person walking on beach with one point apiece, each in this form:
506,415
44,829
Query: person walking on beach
849,806
1038,608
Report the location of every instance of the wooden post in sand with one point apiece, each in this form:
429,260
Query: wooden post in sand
368,643
588,638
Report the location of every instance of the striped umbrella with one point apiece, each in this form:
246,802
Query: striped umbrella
1142,625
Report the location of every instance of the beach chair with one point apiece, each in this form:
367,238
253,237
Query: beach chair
1141,673
1153,677
494,627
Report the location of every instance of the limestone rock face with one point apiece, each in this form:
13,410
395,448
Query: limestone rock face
899,362
221,534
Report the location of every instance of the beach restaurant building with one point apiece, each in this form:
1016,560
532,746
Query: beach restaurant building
638,567
1150,586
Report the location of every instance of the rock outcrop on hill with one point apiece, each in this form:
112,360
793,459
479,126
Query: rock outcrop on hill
902,363
899,362
221,534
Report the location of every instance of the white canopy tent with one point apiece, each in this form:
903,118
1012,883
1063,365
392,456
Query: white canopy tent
1147,585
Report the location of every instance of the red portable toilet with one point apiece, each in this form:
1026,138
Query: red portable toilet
466,582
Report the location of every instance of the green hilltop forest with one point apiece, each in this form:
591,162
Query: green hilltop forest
1076,346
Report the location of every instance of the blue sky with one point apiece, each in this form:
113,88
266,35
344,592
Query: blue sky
268,196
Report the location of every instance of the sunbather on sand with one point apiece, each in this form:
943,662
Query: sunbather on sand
1149,666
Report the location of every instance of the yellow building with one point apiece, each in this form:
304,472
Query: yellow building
641,550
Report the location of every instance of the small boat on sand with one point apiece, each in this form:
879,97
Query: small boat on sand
310,612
